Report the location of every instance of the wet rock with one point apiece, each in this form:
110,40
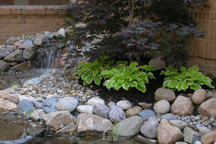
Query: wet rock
10,131
146,113
178,123
50,102
149,129
6,92
38,114
35,130
15,56
24,107
199,96
89,124
124,104
167,134
68,129
133,111
116,114
4,66
144,140
158,64
49,109
56,119
182,106
203,130
95,100
164,94
11,40
29,53
162,107
209,138
101,110
85,109
40,39
13,98
7,105
38,105
208,108
129,126
188,134
22,67
146,105
67,104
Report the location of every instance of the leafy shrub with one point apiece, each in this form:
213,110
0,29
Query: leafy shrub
127,76
183,80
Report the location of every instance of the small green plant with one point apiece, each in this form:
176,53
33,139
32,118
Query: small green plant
16,85
127,76
192,78
64,40
29,113
115,131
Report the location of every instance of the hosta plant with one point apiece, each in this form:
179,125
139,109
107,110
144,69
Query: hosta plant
128,76
184,79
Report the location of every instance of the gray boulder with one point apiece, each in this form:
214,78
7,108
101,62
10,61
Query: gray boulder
124,104
68,129
24,107
49,109
85,109
38,114
29,53
67,104
11,40
164,94
4,66
188,134
4,53
101,110
50,102
33,81
169,116
38,105
40,39
15,56
178,123
146,113
149,129
116,114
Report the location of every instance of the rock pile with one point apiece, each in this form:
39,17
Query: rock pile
58,101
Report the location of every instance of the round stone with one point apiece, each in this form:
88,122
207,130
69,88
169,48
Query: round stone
124,104
162,107
133,111
199,96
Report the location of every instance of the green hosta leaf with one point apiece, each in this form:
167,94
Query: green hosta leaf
142,89
171,69
195,86
141,83
133,65
109,84
184,86
179,86
84,68
133,84
183,69
120,81
122,67
118,87
172,84
94,73
122,62
85,75
145,79
190,82
193,69
126,86
97,80
114,83
150,75
165,83
84,82
82,64
89,79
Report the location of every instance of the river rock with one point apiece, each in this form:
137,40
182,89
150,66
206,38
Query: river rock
164,94
124,104
38,105
4,66
67,104
149,129
116,114
38,114
24,107
89,124
11,40
50,102
6,92
22,67
85,109
208,108
13,98
15,56
188,134
128,127
56,119
7,105
199,96
50,109
111,104
158,64
146,113
133,111
95,100
33,81
145,105
211,94
144,140
196,139
169,116
29,53
182,106
68,129
29,98
167,134
62,32
40,39
4,53
178,123
162,107
209,138
203,130
101,110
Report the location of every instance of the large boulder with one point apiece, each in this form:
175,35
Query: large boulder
116,114
128,127
199,96
89,124
149,129
101,110
124,104
7,105
14,56
167,134
162,107
4,66
209,138
67,104
56,119
208,108
164,94
29,53
23,66
25,107
182,106
11,40
158,64
133,111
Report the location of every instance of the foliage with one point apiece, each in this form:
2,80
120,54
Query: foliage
29,113
127,76
183,80
115,132
16,85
